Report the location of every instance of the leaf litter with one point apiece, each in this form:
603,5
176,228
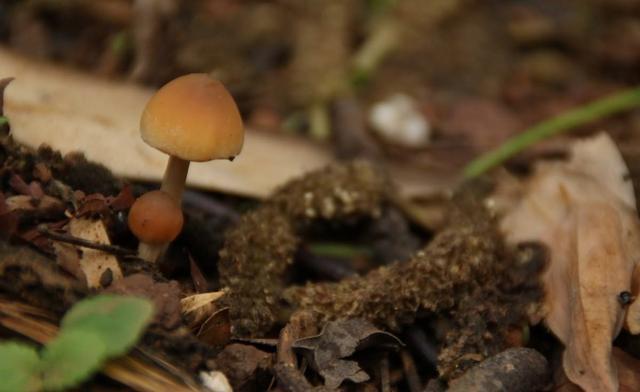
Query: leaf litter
584,211
338,340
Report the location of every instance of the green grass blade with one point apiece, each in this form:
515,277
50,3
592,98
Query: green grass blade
603,107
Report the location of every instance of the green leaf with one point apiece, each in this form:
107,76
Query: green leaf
117,320
71,358
18,368
3,120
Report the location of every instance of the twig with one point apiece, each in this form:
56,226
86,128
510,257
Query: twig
289,377
582,115
288,336
113,249
423,345
385,381
326,266
268,343
410,372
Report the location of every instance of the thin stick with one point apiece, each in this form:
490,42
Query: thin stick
113,249
582,115
385,378
410,372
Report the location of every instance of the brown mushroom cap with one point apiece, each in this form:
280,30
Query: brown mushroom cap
193,118
155,218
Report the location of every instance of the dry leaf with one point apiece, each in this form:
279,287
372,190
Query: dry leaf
628,374
93,263
244,365
628,370
338,340
45,205
48,104
584,211
198,307
216,329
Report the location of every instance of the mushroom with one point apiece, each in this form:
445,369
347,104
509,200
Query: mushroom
156,219
191,118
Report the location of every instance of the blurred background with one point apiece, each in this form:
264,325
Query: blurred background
427,83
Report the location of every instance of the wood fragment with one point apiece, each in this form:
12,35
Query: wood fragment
385,377
513,370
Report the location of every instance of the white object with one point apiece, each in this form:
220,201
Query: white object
398,120
215,381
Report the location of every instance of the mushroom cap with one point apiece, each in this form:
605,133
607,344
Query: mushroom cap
155,218
194,118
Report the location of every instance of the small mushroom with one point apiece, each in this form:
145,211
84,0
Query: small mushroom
156,219
192,118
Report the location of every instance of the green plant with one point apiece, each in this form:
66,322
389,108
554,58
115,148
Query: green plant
3,120
94,330
603,107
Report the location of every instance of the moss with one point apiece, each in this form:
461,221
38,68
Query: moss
252,264
257,252
457,259
464,274
336,192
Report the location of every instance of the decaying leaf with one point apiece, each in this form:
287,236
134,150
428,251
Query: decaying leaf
628,370
93,263
198,307
112,115
206,318
338,340
46,205
216,329
243,364
584,211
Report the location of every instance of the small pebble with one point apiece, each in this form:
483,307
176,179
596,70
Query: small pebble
399,121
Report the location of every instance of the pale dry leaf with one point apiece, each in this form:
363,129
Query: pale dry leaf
198,307
50,105
94,263
196,301
584,211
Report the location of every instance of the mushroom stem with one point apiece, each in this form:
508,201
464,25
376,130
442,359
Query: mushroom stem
151,252
175,176
173,181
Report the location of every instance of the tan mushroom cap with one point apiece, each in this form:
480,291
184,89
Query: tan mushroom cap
193,118
155,218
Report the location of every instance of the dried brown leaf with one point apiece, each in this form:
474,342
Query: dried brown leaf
584,211
339,340
94,263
